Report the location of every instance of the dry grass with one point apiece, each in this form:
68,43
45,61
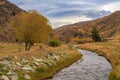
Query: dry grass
17,50
8,49
110,50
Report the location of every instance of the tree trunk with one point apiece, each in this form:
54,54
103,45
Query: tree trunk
30,45
26,46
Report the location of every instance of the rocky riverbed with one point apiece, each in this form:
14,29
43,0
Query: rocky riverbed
20,68
90,67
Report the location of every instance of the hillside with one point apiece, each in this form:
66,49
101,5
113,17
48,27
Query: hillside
108,26
7,10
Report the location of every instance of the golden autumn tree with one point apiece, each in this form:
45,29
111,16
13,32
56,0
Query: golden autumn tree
30,27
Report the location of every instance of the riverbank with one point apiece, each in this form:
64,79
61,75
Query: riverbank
36,64
111,51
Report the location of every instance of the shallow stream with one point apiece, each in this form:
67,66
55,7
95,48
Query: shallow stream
90,67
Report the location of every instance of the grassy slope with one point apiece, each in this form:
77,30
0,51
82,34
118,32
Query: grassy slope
110,50
7,49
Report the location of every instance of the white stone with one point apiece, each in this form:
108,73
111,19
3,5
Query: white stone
36,63
9,73
4,77
27,77
52,61
27,67
39,60
56,58
35,67
14,77
18,64
24,60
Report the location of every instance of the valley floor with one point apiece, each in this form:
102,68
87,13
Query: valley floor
36,64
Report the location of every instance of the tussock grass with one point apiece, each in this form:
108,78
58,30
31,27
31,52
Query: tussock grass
111,51
6,48
47,71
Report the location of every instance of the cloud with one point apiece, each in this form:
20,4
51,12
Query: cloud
68,20
89,13
111,6
64,12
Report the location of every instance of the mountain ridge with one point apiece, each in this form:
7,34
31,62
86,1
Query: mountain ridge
107,26
7,11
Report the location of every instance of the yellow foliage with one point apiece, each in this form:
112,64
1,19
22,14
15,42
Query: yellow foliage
55,37
30,27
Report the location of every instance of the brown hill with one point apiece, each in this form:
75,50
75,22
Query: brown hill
108,27
7,10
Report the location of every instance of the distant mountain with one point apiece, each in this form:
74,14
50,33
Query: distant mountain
108,27
7,10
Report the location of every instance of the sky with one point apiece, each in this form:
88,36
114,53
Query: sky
63,12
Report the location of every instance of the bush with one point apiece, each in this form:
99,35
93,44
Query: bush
95,35
54,43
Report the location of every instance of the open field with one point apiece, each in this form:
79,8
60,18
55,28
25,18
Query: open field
111,51
36,64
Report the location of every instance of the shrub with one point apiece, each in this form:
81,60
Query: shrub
95,35
54,43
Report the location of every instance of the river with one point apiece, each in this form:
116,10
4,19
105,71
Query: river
90,67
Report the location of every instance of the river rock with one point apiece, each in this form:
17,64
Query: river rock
14,77
43,65
4,69
49,54
16,58
38,60
48,63
56,58
27,67
35,67
27,77
9,73
6,58
5,62
52,61
36,63
19,64
25,61
4,77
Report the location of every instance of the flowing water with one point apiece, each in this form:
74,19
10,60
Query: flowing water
90,67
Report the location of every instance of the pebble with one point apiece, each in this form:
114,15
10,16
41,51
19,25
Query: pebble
27,77
15,65
27,67
14,77
18,64
36,63
4,77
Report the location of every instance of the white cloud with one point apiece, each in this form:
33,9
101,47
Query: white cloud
68,20
114,6
64,12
